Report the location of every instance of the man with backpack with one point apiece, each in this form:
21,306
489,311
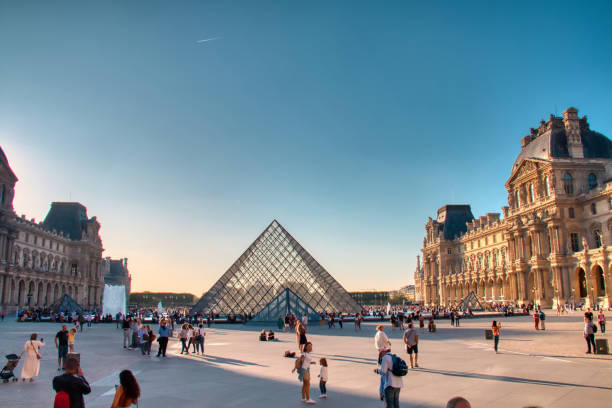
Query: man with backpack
71,386
392,370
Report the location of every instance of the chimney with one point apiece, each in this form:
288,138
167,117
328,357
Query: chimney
572,129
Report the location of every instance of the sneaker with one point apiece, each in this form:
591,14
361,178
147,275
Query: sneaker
416,365
311,402
323,396
303,400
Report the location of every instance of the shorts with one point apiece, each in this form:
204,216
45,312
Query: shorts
413,349
306,374
71,343
62,351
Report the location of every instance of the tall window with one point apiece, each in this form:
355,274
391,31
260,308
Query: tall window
592,181
517,199
593,209
2,194
597,238
571,212
568,184
531,196
574,242
546,186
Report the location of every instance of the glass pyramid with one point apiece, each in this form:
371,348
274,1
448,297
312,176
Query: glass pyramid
275,273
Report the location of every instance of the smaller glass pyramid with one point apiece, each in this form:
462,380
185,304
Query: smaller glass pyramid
286,302
471,301
274,274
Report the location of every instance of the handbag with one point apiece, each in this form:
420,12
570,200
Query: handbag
38,356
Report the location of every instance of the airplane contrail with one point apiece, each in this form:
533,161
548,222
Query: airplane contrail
208,39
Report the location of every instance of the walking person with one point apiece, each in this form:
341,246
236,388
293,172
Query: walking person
323,377
61,344
191,338
392,384
2,315
536,318
601,319
164,333
495,327
183,338
452,318
542,320
421,323
143,339
31,364
200,337
128,391
125,325
300,331
589,335
73,383
381,341
411,340
151,338
457,317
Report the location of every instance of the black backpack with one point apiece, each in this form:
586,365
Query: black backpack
400,368
594,328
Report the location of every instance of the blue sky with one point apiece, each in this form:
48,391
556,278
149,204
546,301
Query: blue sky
349,122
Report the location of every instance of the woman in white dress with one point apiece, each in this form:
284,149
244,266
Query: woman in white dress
31,355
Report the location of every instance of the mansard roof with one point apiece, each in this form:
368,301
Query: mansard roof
454,218
549,142
69,218
5,163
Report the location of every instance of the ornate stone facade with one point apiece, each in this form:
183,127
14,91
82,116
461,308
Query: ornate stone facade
40,262
550,246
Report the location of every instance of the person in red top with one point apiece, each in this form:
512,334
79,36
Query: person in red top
495,328
536,318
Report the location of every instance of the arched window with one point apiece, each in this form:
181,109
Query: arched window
546,186
568,184
592,181
531,196
516,197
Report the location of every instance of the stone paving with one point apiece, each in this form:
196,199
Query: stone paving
547,369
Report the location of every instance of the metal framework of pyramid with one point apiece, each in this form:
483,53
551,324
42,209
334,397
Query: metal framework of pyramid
258,281
471,301
67,304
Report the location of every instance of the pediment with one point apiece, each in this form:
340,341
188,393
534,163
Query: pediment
524,170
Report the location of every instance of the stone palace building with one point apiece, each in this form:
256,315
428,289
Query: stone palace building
550,246
40,262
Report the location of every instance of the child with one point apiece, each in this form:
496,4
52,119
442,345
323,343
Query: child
323,377
302,365
71,334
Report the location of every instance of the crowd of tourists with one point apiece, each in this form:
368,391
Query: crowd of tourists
70,385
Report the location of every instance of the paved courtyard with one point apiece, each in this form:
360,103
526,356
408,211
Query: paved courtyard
547,369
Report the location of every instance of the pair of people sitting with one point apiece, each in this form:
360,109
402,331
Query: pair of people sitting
268,337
